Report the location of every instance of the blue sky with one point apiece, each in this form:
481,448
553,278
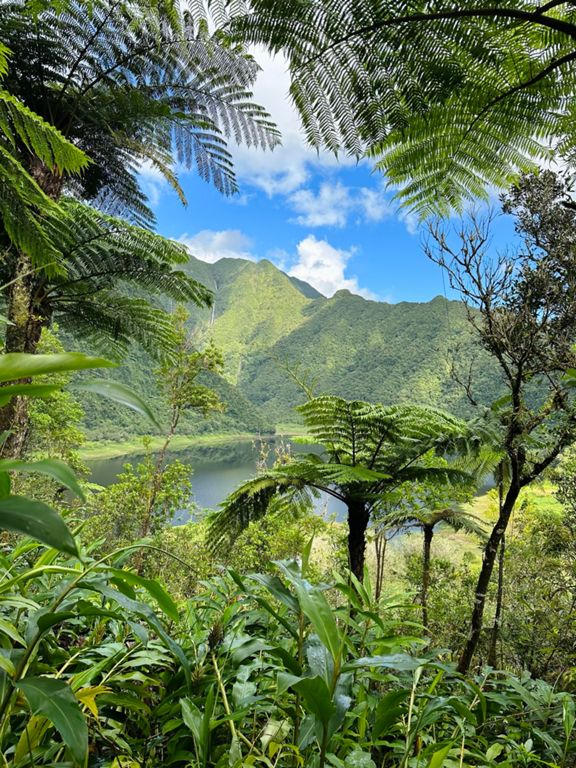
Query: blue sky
327,221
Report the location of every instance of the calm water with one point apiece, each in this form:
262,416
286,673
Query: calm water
216,471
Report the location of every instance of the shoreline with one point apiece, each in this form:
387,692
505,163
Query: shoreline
99,450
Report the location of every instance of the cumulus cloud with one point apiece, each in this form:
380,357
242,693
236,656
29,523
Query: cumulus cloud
334,203
324,266
209,245
152,182
289,166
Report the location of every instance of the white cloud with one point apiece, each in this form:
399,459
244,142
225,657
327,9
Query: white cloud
209,245
152,182
290,165
334,203
323,266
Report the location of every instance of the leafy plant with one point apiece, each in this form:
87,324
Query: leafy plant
367,451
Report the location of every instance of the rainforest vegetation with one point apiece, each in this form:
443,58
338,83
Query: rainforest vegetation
436,624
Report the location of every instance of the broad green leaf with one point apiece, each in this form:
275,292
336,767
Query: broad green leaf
494,751
26,390
154,589
277,589
7,666
5,485
437,759
9,629
389,711
315,693
400,661
317,610
35,729
20,365
145,612
359,759
120,393
53,468
38,520
54,699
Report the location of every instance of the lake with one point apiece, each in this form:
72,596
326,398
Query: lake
216,471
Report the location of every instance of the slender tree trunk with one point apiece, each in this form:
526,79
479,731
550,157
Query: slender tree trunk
23,332
428,534
489,558
22,335
358,517
380,545
492,660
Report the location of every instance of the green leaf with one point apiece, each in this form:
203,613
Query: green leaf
153,588
400,661
317,610
53,468
494,751
437,759
5,485
9,629
315,693
120,393
388,712
55,700
26,390
144,611
19,365
38,520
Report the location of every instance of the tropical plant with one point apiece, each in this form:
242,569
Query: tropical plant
23,204
105,262
450,99
136,82
522,306
366,451
428,519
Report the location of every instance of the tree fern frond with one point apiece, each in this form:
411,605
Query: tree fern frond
450,99
128,83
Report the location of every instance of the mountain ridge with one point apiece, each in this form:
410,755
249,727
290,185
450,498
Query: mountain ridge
267,322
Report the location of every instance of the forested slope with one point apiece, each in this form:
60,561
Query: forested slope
265,322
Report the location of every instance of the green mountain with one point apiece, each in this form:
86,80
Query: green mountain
268,324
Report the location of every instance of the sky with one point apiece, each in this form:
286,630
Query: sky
326,220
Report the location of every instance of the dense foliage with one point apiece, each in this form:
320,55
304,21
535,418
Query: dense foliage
357,349
449,98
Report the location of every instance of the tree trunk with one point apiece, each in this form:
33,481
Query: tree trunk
489,558
428,534
492,661
22,335
358,517
380,545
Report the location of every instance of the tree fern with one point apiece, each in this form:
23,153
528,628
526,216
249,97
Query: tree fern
129,82
22,201
367,450
106,261
449,98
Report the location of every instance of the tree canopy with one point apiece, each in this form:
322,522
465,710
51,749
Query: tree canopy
448,98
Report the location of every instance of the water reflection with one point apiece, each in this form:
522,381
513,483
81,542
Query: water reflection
217,471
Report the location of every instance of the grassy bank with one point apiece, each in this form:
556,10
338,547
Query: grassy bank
93,451
135,447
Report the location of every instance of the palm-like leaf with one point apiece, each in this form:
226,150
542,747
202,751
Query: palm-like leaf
450,99
368,450
23,204
129,83
103,258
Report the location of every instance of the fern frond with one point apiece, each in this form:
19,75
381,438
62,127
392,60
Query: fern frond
450,100
127,83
